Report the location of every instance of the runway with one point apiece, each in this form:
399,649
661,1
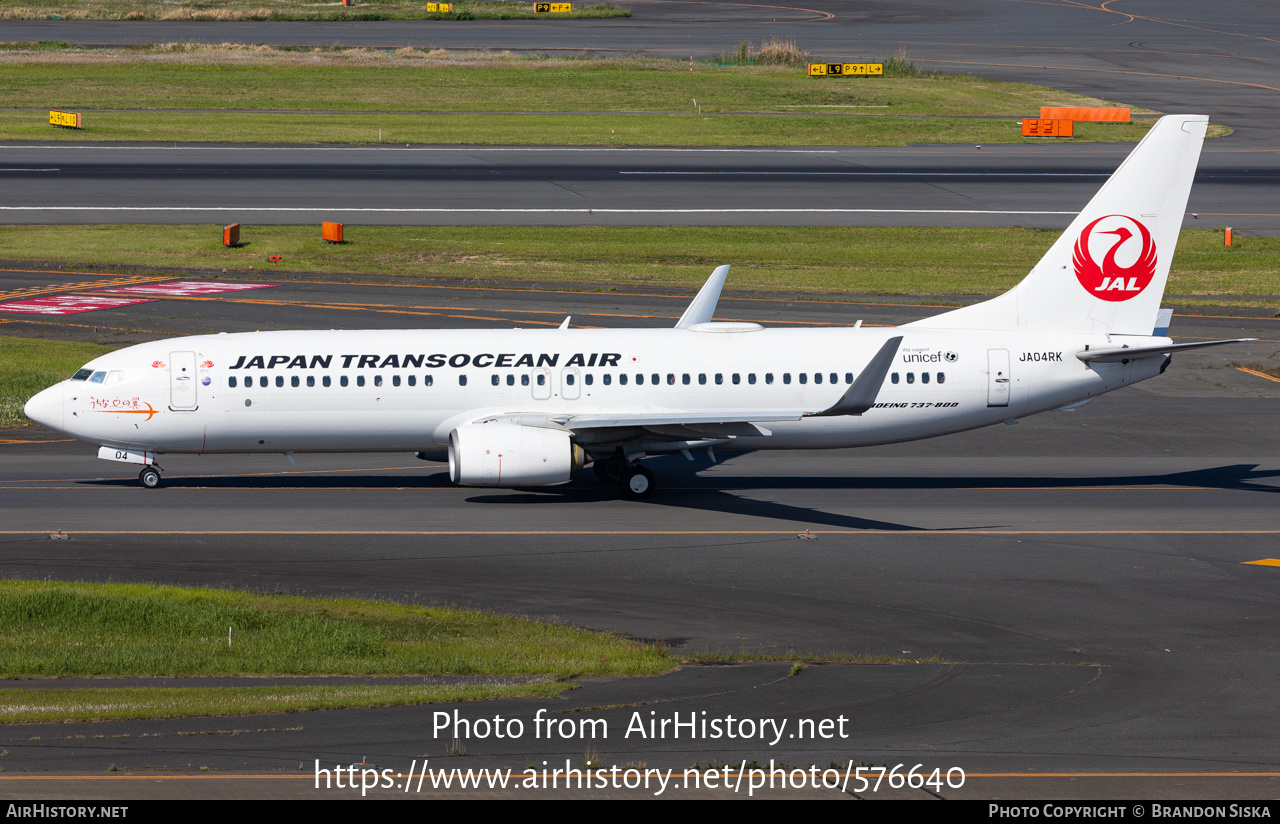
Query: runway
1084,581
1033,186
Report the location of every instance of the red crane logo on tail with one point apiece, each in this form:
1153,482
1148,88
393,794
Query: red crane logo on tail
1110,280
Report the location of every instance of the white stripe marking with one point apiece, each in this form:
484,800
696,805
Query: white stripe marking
30,170
884,174
522,211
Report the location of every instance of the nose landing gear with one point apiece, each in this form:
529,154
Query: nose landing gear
149,477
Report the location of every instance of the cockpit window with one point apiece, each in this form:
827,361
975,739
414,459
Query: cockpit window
82,375
97,377
115,376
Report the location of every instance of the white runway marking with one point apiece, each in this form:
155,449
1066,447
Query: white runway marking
886,174
579,211
30,170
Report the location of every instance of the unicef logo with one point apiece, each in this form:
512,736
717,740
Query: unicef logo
951,357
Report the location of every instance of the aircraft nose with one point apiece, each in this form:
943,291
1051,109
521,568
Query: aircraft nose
45,408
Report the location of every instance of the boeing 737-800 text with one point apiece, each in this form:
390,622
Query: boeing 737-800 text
519,408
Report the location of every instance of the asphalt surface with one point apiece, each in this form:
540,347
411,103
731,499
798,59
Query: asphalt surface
1169,56
1034,186
1081,579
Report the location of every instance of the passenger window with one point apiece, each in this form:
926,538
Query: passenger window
671,379
848,377
702,378
719,378
279,380
893,378
568,379
835,378
343,380
768,377
326,380
524,380
428,380
231,381
377,380
97,377
911,377
294,382
622,379
511,380
751,378
685,378
413,380
942,377
360,380
588,378
924,377
608,379
311,380
653,379
737,379
493,379
262,381
542,380
462,380
786,377
804,377
817,377
395,380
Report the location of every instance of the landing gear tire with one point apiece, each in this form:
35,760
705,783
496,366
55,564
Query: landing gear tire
610,470
637,483
149,478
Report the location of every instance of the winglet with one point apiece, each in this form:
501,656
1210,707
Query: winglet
862,395
703,306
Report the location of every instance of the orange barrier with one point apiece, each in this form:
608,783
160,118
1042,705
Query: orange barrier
331,232
841,69
231,235
275,259
1228,235
1091,115
1048,128
67,120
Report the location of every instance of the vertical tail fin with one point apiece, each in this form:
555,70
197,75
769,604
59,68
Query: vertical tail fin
1106,273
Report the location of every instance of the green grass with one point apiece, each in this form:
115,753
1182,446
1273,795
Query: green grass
34,706
28,365
615,101
830,260
80,629
287,10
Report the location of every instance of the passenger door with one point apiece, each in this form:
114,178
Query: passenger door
998,377
182,381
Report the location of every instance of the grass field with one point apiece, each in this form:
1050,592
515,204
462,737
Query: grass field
28,365
288,10
249,93
796,260
119,630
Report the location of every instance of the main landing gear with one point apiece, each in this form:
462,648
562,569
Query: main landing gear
634,480
149,477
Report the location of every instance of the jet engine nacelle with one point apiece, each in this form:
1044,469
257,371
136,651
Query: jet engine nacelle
508,455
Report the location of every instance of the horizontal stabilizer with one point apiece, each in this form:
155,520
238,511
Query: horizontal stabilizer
1126,354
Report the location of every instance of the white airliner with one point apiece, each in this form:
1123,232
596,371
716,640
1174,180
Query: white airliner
521,408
